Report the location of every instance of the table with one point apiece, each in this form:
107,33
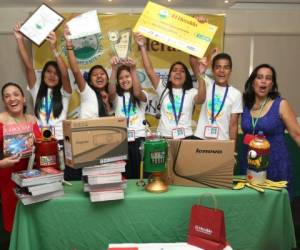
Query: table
253,220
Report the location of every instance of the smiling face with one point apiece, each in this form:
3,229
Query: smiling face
51,77
13,100
125,80
98,78
177,76
263,82
222,71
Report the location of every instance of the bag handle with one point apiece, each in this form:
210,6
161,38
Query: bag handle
211,195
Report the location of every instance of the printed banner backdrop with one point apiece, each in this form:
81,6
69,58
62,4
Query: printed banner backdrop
96,49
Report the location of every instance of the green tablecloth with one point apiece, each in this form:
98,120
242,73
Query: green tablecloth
253,220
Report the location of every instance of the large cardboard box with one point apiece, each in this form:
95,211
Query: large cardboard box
95,141
201,163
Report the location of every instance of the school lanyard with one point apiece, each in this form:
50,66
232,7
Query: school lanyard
214,117
127,111
48,108
255,120
177,117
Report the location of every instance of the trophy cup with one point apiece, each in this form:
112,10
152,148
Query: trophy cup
120,42
154,154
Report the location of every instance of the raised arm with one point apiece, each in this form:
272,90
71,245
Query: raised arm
25,57
136,85
60,62
199,67
154,78
114,62
289,118
73,62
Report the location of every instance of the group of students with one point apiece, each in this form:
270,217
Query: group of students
121,94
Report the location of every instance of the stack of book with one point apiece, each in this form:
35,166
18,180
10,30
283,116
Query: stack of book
38,185
105,182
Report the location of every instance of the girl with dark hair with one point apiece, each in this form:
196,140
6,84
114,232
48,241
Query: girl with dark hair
177,97
17,131
50,94
130,101
266,111
94,101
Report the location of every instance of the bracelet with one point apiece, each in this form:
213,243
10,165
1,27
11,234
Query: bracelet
69,48
142,46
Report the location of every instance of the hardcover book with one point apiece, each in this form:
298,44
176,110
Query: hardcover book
44,188
103,187
103,178
107,168
27,199
108,195
18,139
33,177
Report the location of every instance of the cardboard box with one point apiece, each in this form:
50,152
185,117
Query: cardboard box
201,163
95,141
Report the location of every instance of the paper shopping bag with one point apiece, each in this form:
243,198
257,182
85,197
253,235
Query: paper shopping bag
207,228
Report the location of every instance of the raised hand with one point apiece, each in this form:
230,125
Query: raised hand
201,19
104,97
130,62
215,51
67,33
115,61
52,40
140,39
202,65
17,33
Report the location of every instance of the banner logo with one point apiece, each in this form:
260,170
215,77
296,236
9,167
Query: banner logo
87,49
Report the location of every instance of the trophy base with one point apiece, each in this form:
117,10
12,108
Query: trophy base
156,184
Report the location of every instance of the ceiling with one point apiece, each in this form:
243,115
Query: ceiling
185,4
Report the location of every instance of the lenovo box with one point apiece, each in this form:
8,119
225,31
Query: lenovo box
94,141
201,163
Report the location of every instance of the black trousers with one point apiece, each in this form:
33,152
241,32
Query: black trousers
134,159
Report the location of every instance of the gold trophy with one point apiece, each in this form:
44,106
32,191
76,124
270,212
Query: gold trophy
120,42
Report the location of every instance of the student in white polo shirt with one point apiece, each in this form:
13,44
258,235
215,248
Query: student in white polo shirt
130,101
176,98
223,103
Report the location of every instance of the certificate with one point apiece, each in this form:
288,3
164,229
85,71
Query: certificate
86,24
175,29
38,26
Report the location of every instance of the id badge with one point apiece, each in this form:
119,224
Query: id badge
248,138
178,133
211,132
130,135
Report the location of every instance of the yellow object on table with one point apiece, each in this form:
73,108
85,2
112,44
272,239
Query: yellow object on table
268,184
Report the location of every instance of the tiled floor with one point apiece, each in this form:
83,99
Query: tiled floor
4,237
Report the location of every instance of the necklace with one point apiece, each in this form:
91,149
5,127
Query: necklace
261,105
18,119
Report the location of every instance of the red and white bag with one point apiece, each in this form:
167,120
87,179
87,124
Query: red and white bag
207,227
